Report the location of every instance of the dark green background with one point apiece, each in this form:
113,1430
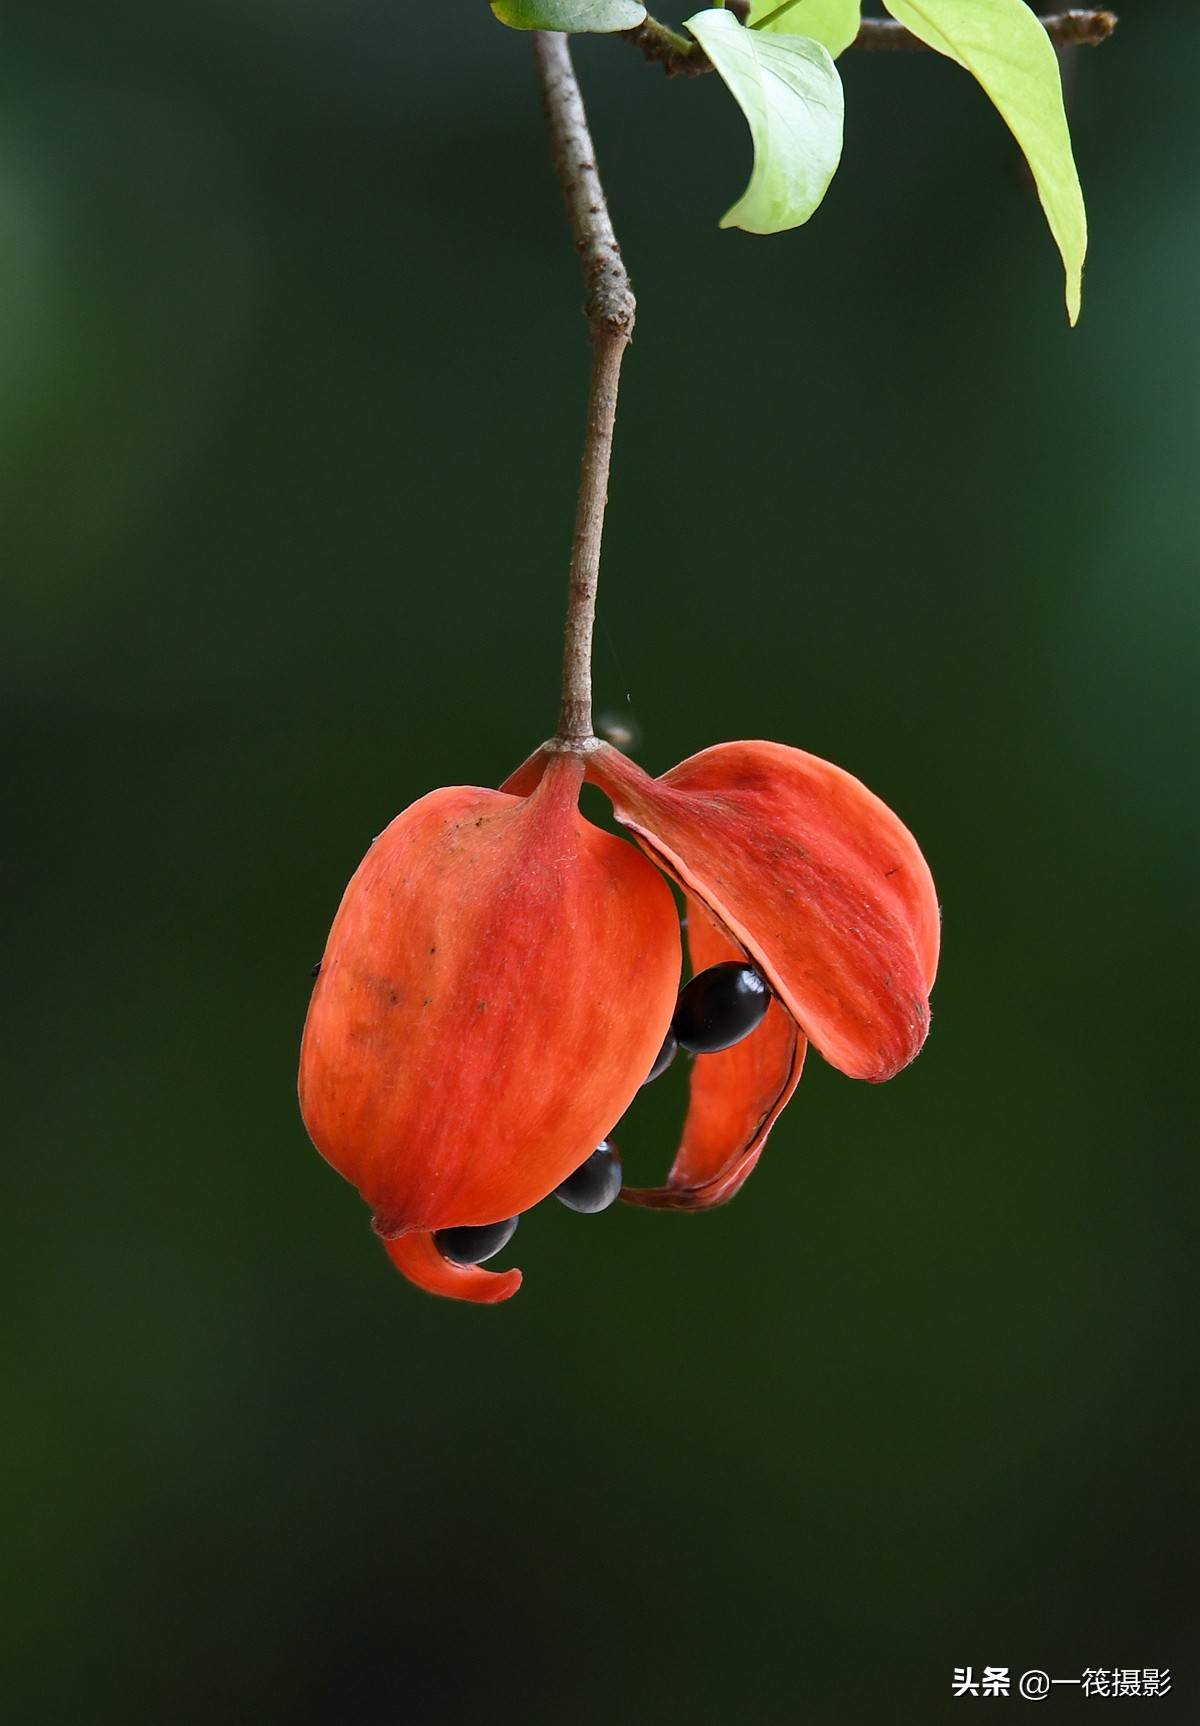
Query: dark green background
291,388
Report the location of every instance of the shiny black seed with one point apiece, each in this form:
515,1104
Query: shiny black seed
719,1007
316,970
664,1057
471,1246
595,1184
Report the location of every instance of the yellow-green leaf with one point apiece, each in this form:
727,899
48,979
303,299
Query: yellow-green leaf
791,95
834,23
598,15
1002,44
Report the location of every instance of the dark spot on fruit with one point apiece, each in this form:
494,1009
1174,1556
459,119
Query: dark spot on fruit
664,1057
719,1007
472,1246
595,1184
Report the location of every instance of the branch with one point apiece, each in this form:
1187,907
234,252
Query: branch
609,308
678,54
1072,29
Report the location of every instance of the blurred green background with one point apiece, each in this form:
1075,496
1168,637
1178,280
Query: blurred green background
291,393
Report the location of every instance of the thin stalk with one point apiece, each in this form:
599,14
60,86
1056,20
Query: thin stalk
610,309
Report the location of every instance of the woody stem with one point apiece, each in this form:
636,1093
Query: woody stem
610,308
683,55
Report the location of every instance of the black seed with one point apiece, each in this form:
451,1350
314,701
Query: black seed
316,970
595,1184
664,1057
471,1246
719,1007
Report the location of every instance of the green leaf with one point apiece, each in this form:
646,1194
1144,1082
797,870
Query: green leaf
598,15
833,23
1001,43
791,95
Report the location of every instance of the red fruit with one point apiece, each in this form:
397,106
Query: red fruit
497,982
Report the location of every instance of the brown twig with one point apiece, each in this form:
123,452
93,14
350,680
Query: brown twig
609,308
680,56
1074,29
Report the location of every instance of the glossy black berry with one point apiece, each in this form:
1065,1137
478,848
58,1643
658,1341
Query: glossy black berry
719,1007
471,1246
595,1184
664,1057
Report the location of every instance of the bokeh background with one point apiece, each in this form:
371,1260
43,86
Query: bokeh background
291,389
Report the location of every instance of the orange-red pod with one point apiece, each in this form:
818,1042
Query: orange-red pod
496,984
500,976
808,873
